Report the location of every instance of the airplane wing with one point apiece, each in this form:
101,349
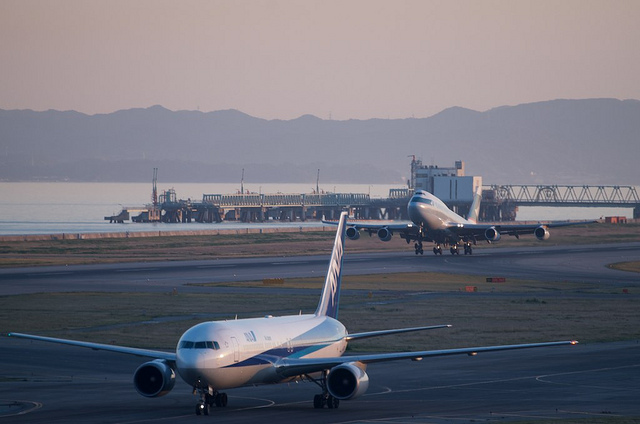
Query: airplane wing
478,230
407,229
289,367
156,354
394,225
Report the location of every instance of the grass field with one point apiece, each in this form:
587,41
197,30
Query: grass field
511,312
73,252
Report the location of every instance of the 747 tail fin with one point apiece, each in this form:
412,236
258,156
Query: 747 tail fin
330,299
474,210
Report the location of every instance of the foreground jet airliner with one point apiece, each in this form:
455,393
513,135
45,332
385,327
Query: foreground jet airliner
433,221
220,355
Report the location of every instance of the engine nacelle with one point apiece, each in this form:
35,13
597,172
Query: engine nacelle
492,234
347,381
154,379
541,233
384,234
352,233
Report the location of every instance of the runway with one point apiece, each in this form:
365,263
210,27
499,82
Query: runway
60,384
578,263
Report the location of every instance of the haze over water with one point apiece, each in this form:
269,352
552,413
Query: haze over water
58,207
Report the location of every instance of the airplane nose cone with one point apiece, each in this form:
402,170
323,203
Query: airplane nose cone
191,364
414,212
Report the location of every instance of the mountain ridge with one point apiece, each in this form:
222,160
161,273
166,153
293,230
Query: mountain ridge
561,141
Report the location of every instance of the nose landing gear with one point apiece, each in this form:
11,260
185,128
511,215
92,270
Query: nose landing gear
208,398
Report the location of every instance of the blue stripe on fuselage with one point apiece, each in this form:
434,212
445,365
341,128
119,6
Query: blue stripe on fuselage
273,355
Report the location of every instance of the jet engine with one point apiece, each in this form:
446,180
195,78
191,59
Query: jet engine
353,233
492,234
347,381
541,233
154,379
384,234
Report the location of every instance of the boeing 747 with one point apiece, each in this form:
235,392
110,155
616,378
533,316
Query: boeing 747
433,221
219,355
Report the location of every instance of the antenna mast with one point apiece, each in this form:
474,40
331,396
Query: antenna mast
154,193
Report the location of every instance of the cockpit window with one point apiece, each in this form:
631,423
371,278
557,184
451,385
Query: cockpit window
185,344
418,199
213,345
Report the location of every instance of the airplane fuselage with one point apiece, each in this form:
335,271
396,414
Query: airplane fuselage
433,216
227,354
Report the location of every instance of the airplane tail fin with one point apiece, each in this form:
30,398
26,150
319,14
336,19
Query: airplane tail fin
328,305
474,211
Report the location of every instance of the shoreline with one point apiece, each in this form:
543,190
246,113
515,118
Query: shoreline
160,233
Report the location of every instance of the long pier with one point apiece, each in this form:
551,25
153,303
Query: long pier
499,203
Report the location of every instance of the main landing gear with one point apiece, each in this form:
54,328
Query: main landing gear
324,399
454,249
208,398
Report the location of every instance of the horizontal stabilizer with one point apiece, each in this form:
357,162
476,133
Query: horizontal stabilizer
357,336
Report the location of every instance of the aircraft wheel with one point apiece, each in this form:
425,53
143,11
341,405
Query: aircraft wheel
224,399
199,409
318,402
333,403
206,409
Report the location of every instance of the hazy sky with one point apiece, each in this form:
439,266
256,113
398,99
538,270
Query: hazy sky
341,59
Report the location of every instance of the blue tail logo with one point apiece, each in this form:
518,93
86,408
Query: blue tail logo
328,305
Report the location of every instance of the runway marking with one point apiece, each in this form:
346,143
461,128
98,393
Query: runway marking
215,266
289,263
137,269
269,404
156,419
453,386
542,378
46,274
36,405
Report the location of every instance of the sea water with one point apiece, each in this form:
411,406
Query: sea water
73,208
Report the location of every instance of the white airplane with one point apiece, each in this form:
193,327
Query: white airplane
433,221
220,355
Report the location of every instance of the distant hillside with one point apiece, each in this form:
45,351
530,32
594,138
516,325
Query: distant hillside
594,141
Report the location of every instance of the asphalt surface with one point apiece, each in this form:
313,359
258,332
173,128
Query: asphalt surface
42,382
60,384
578,263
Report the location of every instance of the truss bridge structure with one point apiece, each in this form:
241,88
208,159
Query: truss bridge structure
501,201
